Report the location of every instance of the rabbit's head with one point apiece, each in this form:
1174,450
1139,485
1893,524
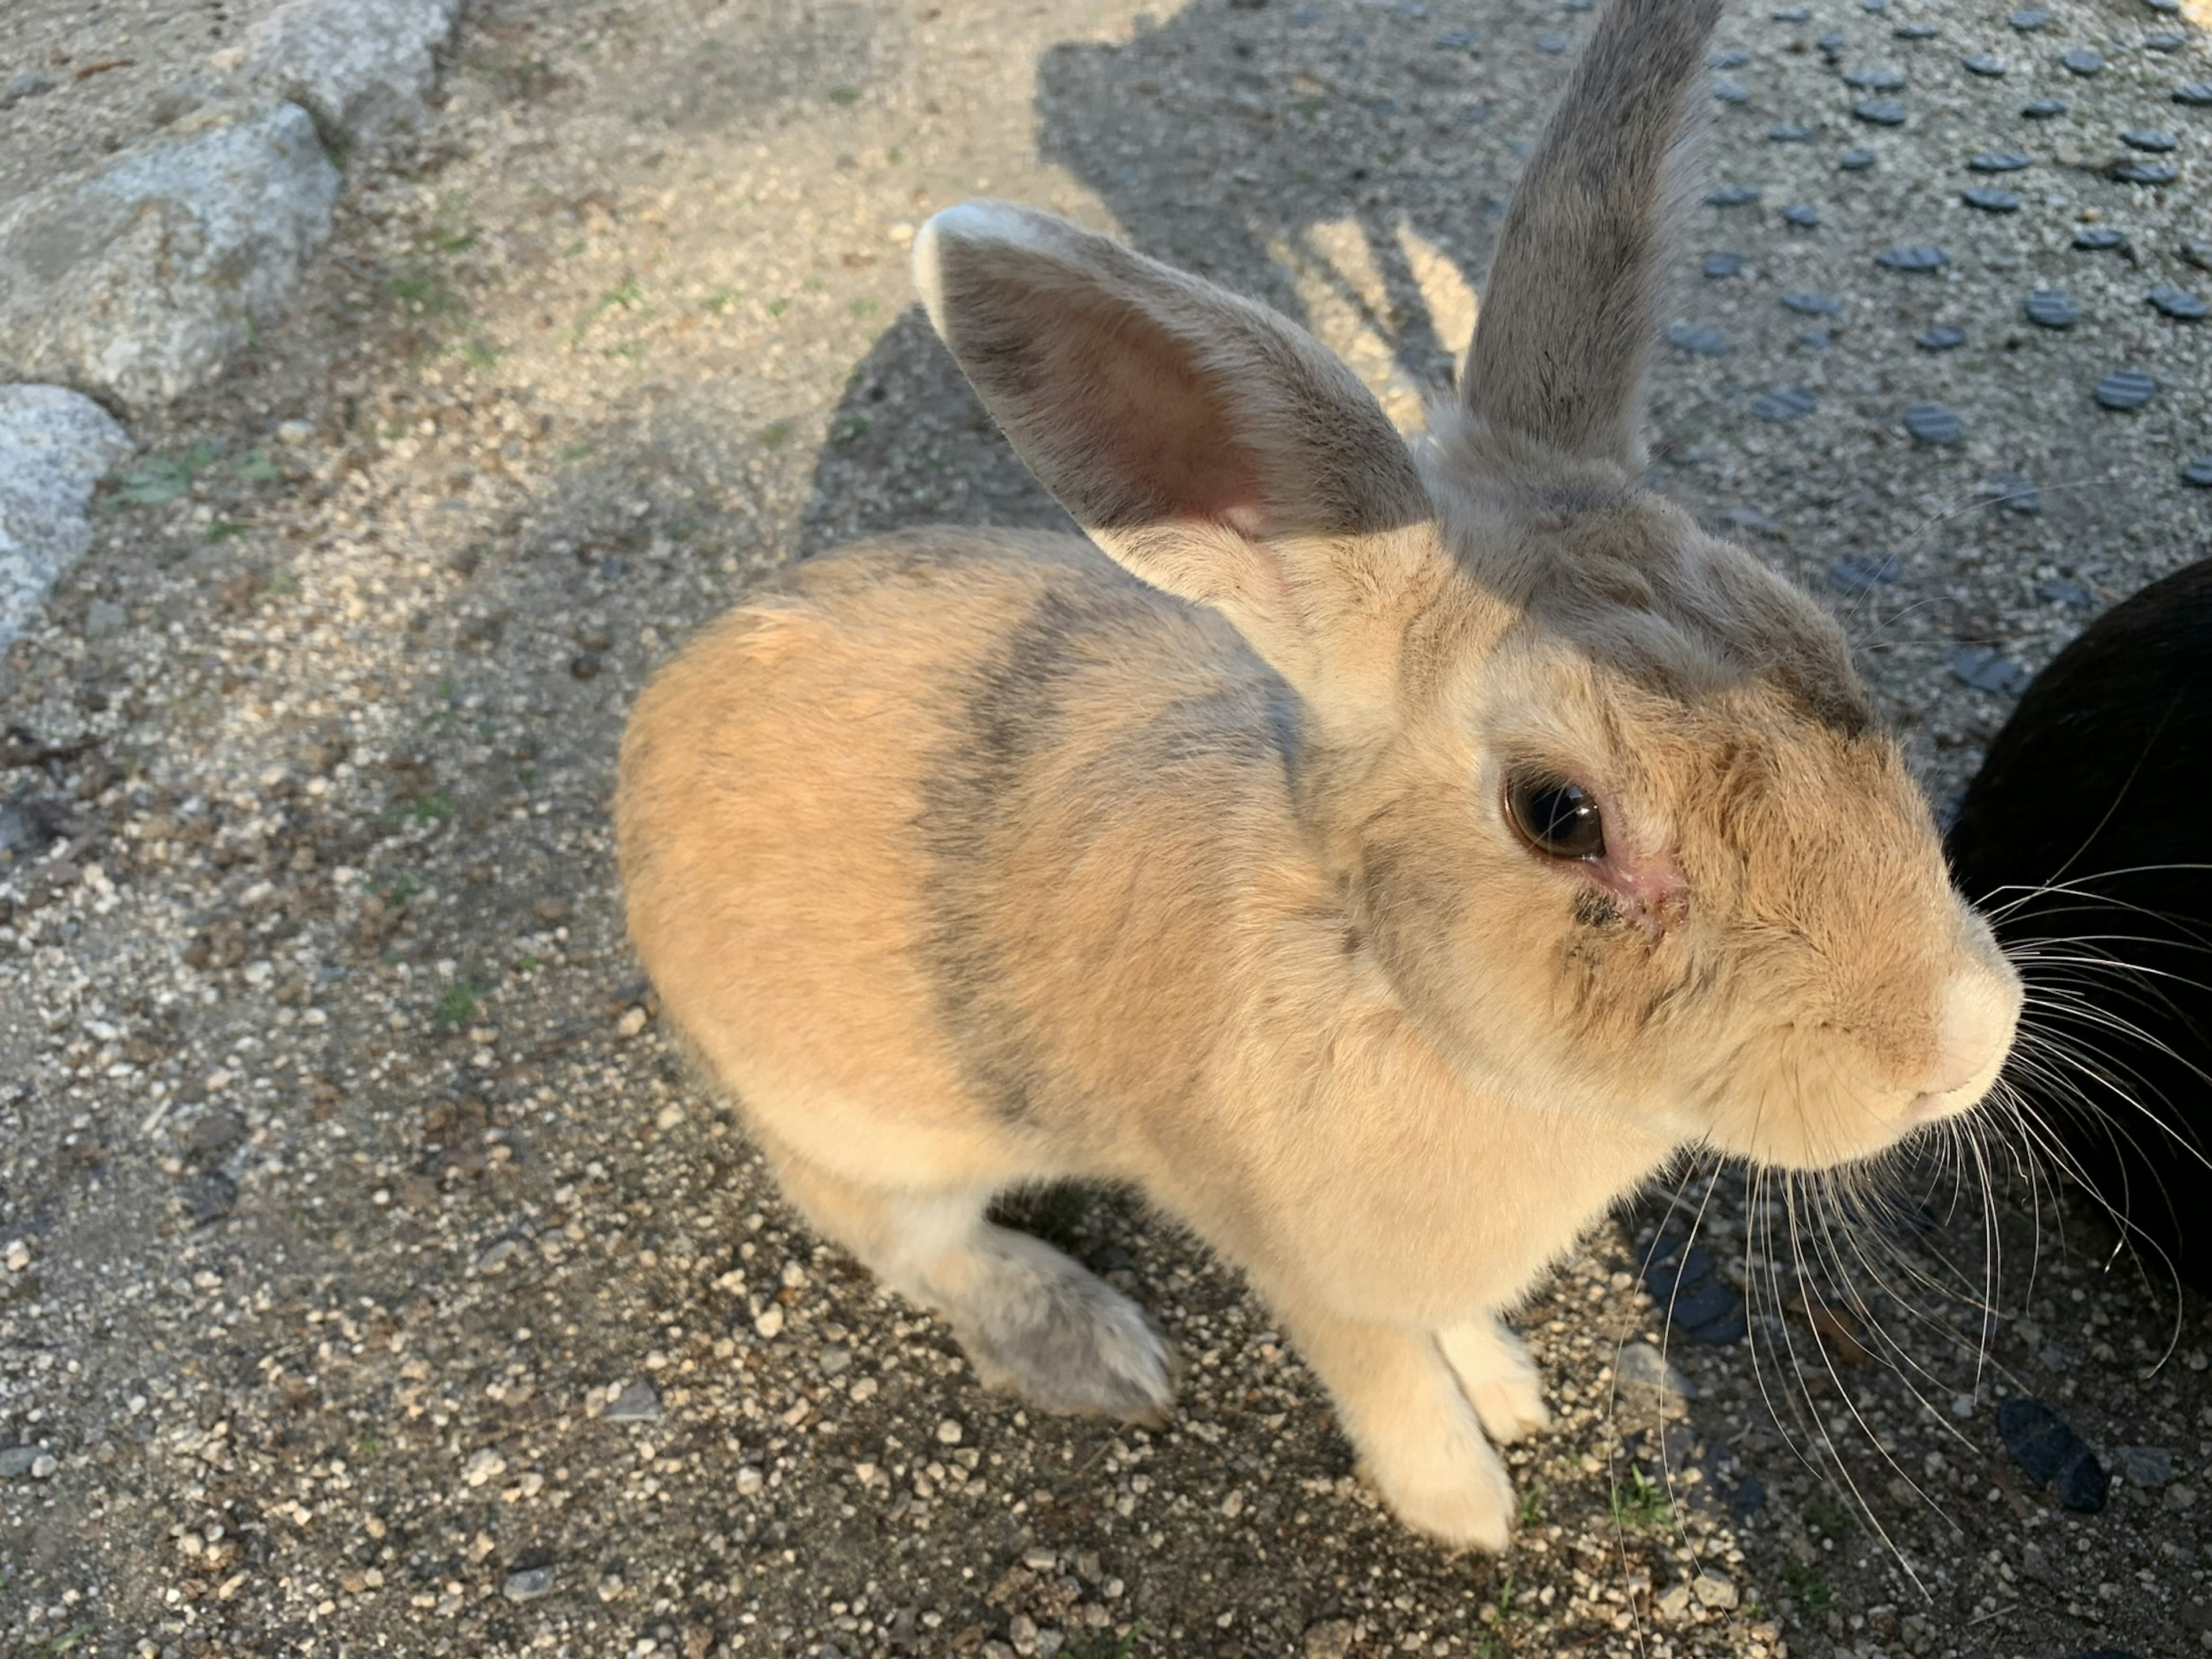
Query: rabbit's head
1607,800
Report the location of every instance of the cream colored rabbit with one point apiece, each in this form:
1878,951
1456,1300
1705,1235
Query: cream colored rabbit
1383,861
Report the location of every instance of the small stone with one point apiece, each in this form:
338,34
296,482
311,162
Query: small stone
1729,57
17,1256
1945,338
1729,196
835,1361
584,665
1982,64
638,1402
16,1462
1331,1639
1040,1561
1999,160
1788,133
2199,473
2043,109
2180,1496
1713,1590
1723,264
1816,339
1932,423
2179,304
2065,590
1986,671
2146,172
1787,403
1874,80
1728,91
1877,7
483,1466
1855,161
949,1431
1803,215
208,1196
215,1133
1855,573
1457,39
2151,140
2142,1466
1811,305
1832,44
1915,31
528,1584
749,1480
1552,42
631,1023
1919,257
2125,388
2082,61
2099,239
1879,111
1643,1366
2198,95
2165,40
2015,494
2051,1454
27,84
1989,199
2196,252
1672,1603
770,1324
45,1466
2049,309
2028,19
1791,14
1699,339
2163,7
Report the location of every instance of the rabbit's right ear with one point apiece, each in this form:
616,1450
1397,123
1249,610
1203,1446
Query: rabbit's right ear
1205,443
1571,307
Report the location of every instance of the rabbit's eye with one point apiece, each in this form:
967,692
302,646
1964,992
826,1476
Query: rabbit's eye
1559,819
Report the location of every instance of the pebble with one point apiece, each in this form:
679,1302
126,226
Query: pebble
1784,403
1915,31
209,1196
1879,111
638,1402
2125,388
2152,139
1811,305
1700,339
1986,670
1989,199
1791,15
2049,309
17,1255
2029,19
2082,61
2199,473
1803,215
1723,264
1832,44
749,1480
2197,252
2165,40
2146,172
528,1585
770,1325
949,1431
1729,57
1916,257
16,1462
1733,195
2098,238
1730,92
1941,339
1855,161
2179,304
1874,80
1982,64
1643,1366
2042,109
1816,339
1932,423
1331,1639
1998,161
835,1361
1715,1591
1691,1296
2163,7
2015,494
2198,95
1552,42
2051,1454
1855,573
1788,133
2065,590
2142,1466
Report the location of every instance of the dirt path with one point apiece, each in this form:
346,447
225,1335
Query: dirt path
375,1281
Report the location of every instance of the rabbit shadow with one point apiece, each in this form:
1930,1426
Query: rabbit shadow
1251,144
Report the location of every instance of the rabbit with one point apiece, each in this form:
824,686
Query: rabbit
1383,859
2086,834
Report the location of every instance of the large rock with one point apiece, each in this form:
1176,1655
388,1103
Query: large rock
140,282
362,68
54,447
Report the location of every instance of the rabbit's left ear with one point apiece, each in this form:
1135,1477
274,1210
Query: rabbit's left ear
1205,443
1571,307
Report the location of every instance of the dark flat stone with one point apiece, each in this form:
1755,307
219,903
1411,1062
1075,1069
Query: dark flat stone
2015,494
2028,19
2065,590
1730,92
1803,215
2199,473
2163,7
1874,80
1788,133
2125,388
1989,199
1811,305
2198,95
2165,40
2082,61
1941,339
1832,44
2042,109
2198,251
1999,160
2098,238
1733,195
2178,303
209,1196
1723,264
2146,172
1787,403
2048,308
1695,1299
1915,31
1981,64
2051,1454
1699,339
1729,57
1912,256
1879,111
1856,574
1986,670
1932,423
1855,161
2157,143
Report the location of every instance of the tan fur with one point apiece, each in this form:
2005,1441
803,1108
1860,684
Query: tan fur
970,859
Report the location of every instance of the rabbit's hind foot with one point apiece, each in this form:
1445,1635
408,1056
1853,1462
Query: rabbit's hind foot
1498,1377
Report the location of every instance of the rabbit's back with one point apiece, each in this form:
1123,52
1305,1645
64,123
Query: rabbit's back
915,840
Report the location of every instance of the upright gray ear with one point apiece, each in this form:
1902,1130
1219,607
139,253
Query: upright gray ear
1572,305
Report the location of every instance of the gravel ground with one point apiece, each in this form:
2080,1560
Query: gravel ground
372,1277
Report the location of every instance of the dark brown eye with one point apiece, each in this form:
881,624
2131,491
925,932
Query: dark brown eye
1559,819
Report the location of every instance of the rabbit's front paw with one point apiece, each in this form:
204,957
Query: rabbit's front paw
1498,1378
1445,1479
1038,1325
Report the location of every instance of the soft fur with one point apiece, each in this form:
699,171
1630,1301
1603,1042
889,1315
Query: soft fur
968,860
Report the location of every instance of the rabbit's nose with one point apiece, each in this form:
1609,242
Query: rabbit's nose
1974,1026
